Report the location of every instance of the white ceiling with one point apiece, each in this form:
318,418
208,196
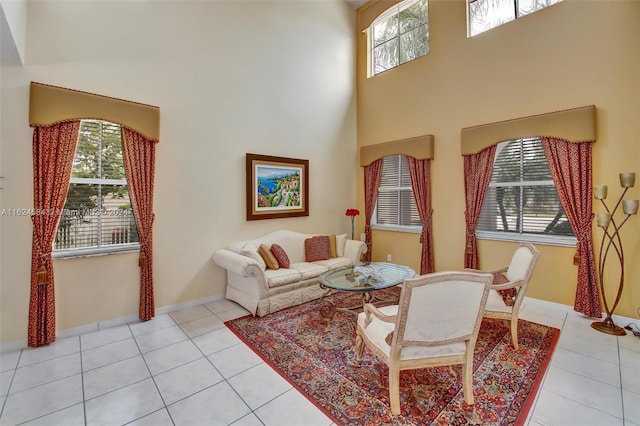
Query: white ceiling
356,3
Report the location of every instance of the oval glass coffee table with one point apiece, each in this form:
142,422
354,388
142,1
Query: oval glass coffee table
365,278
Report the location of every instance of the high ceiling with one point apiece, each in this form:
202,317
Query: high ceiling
356,3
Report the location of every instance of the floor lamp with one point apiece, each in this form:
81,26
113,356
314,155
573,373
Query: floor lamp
611,240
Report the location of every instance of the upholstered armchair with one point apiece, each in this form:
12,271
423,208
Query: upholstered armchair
436,322
509,287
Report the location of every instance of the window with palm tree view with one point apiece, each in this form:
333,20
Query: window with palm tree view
522,202
399,35
484,15
97,215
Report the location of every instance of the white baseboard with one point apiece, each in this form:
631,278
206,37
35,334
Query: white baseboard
129,319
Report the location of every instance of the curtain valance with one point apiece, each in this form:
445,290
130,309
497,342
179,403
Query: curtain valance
574,125
419,147
52,104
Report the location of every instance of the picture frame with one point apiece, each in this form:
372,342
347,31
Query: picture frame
277,187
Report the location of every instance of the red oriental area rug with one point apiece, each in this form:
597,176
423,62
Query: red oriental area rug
318,358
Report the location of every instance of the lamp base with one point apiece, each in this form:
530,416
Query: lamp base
608,327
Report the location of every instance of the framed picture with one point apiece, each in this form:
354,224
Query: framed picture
276,187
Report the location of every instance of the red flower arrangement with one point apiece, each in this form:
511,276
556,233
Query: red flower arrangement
352,213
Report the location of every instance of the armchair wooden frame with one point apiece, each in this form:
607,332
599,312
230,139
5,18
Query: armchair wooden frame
437,326
518,275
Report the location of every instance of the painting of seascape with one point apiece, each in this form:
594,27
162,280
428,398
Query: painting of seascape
276,187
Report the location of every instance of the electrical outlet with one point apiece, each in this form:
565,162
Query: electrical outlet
388,258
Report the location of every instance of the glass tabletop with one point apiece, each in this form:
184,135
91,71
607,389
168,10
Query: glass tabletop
366,277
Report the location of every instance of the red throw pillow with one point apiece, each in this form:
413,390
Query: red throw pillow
508,295
280,255
316,248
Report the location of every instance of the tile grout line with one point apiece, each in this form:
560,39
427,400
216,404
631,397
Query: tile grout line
13,376
84,405
620,375
224,379
164,403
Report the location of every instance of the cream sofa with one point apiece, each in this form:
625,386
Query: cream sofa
261,290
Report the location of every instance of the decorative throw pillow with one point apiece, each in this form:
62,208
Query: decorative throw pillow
332,246
251,251
316,248
508,295
269,259
341,240
280,255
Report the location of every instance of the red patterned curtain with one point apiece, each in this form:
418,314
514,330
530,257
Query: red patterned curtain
139,160
477,174
54,148
420,173
372,174
571,169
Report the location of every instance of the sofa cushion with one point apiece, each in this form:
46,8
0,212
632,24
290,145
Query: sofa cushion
338,262
332,246
268,257
316,248
282,276
341,240
281,255
251,250
309,270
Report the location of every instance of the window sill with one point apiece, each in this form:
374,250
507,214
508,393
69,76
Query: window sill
407,229
93,252
555,240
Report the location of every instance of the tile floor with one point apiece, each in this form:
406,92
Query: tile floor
187,368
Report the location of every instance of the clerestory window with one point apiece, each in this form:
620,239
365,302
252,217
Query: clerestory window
521,202
396,206
483,15
398,35
97,216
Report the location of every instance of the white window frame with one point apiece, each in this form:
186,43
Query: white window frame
546,239
101,249
393,10
515,9
395,227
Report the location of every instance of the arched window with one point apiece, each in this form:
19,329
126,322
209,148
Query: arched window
398,35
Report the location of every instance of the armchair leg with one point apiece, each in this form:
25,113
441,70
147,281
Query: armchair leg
359,348
467,381
394,390
514,332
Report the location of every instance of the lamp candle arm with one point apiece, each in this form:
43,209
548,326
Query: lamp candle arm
603,259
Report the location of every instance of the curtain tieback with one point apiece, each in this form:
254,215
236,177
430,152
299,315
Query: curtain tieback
142,260
578,253
144,244
426,226
469,247
42,276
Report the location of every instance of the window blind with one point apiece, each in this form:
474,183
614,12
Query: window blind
97,212
396,205
521,197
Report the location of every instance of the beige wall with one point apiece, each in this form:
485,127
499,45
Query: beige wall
572,54
230,77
